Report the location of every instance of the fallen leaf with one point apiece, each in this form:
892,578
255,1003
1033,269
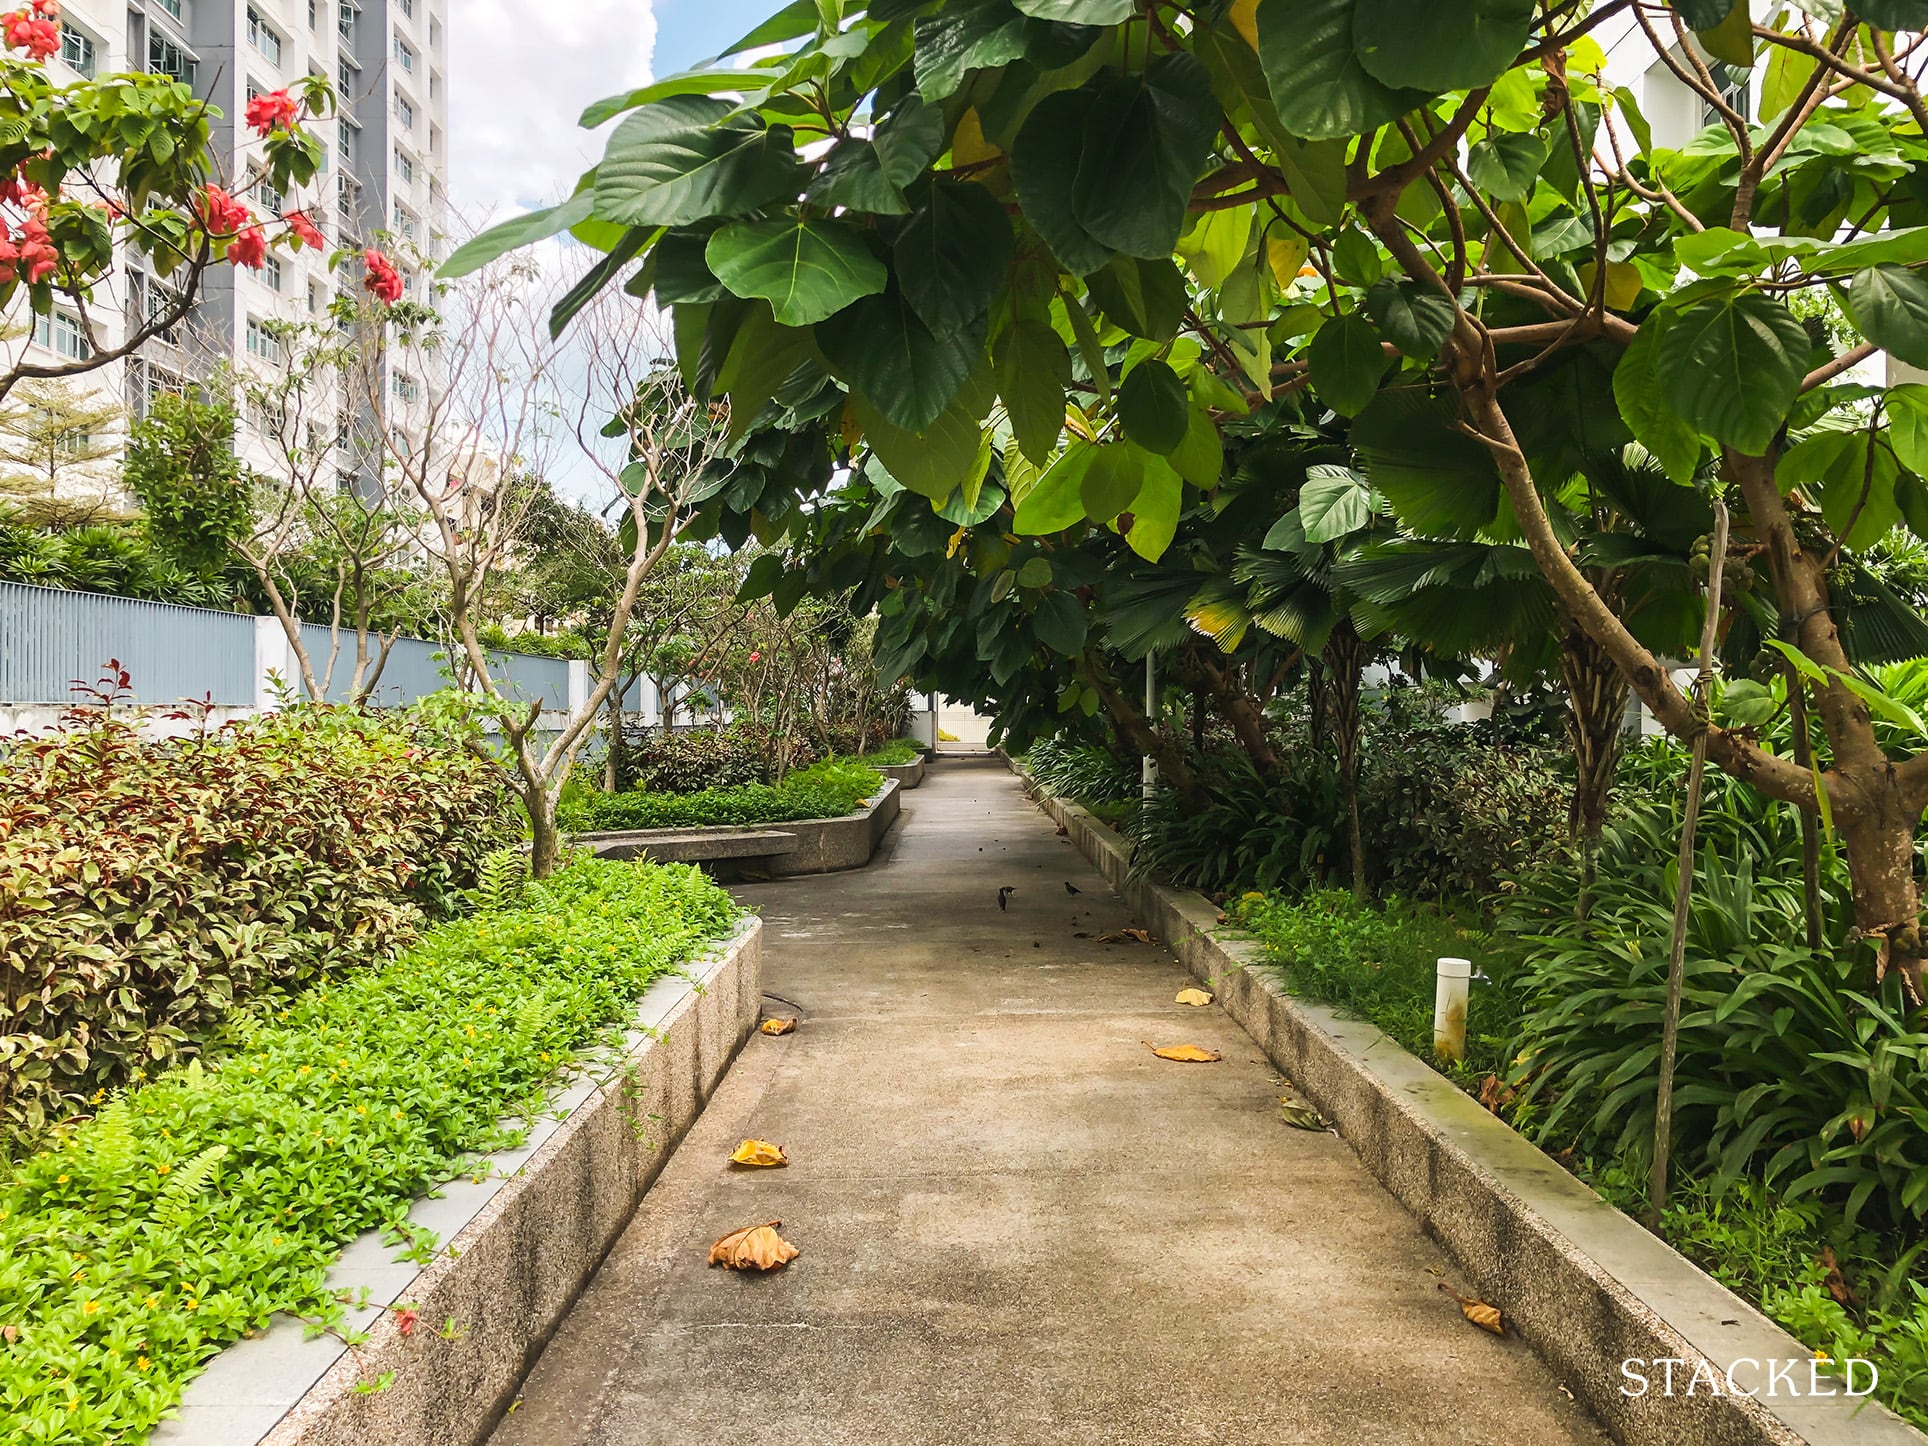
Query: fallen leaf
1126,936
1301,1117
1193,997
1486,1317
754,1247
1495,1092
777,1026
1185,1053
758,1152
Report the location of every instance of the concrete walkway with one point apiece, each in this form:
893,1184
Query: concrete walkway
1017,1225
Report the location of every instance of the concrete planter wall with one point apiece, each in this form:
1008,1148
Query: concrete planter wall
1585,1285
908,775
811,845
516,1248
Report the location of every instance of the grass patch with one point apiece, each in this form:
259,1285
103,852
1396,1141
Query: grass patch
1377,963
188,1211
830,789
894,754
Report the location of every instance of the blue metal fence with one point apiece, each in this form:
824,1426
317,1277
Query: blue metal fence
50,639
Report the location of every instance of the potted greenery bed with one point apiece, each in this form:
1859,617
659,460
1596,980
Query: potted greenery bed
819,819
904,760
254,1051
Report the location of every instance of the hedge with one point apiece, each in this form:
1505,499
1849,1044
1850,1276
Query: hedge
193,1208
829,789
146,888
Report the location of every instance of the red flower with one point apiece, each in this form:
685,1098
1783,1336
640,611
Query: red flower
39,37
405,1318
249,247
304,230
756,657
275,110
34,254
222,214
382,278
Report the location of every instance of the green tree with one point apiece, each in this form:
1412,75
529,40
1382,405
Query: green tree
57,442
1105,228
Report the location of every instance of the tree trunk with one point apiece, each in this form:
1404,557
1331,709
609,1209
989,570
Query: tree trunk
1810,822
1242,712
612,754
1174,770
545,837
1345,659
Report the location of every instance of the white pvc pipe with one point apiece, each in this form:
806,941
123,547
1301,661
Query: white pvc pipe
1449,1008
1148,777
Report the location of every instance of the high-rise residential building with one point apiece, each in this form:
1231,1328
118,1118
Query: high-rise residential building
385,164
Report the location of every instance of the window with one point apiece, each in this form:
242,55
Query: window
74,443
164,384
271,271
404,55
160,299
270,416
164,57
434,33
270,199
403,385
316,299
312,17
404,112
262,342
404,222
77,49
435,140
408,8
1733,83
171,7
405,168
262,36
345,22
60,333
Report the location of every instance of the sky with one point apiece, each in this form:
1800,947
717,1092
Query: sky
517,85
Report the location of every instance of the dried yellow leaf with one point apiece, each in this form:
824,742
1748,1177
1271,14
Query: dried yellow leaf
1486,1317
1244,16
1193,997
754,1247
777,1026
758,1152
1301,1117
1185,1053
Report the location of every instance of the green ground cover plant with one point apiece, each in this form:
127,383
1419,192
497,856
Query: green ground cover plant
894,754
147,888
192,1208
830,789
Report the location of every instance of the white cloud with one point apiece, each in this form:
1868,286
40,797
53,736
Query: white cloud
519,78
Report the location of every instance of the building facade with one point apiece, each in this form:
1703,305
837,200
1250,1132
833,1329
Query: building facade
384,174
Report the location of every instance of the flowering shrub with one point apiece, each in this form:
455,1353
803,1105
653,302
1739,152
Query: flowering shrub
191,1209
381,278
825,790
146,889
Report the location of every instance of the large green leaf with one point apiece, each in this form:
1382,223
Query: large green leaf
690,82
853,178
881,346
1154,511
909,139
499,240
1334,503
1315,171
1413,315
1044,169
953,256
953,451
761,357
1057,499
1894,14
688,158
1200,458
1145,143
593,280
1318,85
1644,406
1423,45
1506,165
1153,406
806,270
1033,370
1908,425
1112,480
1079,12
1890,305
1733,366
1347,362
1060,623
678,271
1146,298
963,36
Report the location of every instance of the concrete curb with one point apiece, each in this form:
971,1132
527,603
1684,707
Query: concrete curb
517,1248
1586,1286
907,774
824,845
